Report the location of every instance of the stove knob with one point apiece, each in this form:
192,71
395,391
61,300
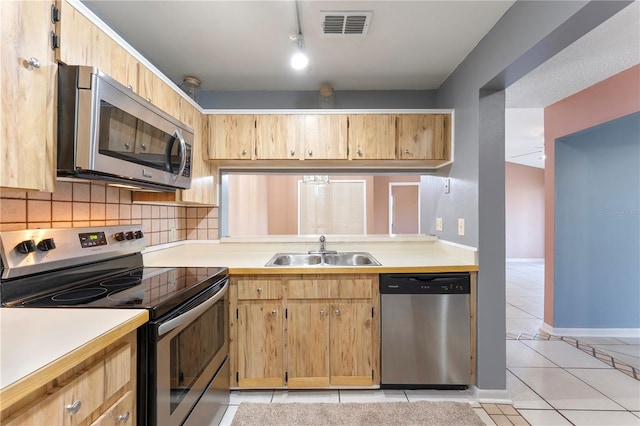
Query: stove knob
129,235
26,246
46,244
119,236
138,234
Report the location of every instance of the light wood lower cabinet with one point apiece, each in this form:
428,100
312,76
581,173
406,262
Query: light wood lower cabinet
305,331
100,391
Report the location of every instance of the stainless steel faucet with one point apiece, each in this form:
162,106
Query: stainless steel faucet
323,249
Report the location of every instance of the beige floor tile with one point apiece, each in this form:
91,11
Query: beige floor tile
518,420
508,410
501,420
484,416
491,409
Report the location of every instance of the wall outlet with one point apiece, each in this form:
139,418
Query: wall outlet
447,185
460,226
438,224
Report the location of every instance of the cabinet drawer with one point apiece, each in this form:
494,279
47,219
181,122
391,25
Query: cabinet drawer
259,289
85,391
120,413
330,289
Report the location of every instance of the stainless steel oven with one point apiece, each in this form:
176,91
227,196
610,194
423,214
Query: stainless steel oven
186,350
183,374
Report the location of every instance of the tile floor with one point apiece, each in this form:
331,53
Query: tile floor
550,381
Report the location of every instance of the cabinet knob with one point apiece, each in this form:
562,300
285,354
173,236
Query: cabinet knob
406,151
359,152
310,153
32,63
259,290
274,313
130,87
321,313
293,152
123,417
143,146
337,312
148,99
126,145
73,408
244,152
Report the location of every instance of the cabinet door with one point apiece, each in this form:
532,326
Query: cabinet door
351,343
324,137
277,137
231,137
203,182
27,139
372,137
423,136
308,344
260,344
119,414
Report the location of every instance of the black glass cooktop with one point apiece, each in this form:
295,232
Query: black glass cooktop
156,289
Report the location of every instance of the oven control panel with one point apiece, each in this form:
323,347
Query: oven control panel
37,250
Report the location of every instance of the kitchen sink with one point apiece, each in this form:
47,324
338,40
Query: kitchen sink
323,259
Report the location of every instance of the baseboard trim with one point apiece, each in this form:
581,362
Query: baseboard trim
525,259
493,396
591,332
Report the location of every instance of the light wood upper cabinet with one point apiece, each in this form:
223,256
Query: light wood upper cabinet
324,137
277,137
27,138
231,137
424,136
372,137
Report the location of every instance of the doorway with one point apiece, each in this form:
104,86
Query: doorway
404,208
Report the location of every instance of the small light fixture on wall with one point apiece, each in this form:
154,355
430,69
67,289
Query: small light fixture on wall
299,60
191,86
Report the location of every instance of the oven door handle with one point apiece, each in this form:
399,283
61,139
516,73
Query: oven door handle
192,314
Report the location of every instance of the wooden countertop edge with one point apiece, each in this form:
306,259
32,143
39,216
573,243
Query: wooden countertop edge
350,270
21,388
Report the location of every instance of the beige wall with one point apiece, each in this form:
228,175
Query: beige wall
524,211
80,204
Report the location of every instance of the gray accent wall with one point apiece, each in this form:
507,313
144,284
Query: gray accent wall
597,232
345,99
527,35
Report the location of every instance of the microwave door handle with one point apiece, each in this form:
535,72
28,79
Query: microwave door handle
194,313
183,150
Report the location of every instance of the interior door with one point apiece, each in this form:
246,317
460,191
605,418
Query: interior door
405,211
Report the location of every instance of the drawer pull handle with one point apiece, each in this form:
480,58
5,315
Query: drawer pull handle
274,313
321,313
123,417
293,152
32,63
259,290
337,312
359,152
406,151
310,153
244,152
74,408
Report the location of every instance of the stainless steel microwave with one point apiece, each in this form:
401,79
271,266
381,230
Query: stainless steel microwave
107,132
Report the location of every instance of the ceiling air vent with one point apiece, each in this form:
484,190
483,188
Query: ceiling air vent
355,23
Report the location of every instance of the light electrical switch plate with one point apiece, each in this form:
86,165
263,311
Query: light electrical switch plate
438,224
447,185
460,226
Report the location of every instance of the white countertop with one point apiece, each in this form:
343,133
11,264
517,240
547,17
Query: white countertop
253,253
32,338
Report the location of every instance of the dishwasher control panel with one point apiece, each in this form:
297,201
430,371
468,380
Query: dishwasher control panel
440,283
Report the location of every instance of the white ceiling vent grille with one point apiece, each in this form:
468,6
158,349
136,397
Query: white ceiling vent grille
341,23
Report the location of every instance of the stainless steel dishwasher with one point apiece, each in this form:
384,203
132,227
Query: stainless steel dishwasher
425,322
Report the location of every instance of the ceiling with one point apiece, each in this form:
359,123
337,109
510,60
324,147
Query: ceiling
239,45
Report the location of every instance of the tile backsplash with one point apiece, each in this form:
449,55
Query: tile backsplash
76,204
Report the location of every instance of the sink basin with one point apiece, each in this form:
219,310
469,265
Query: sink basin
323,259
294,259
350,259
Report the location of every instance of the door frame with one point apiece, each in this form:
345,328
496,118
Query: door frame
391,185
